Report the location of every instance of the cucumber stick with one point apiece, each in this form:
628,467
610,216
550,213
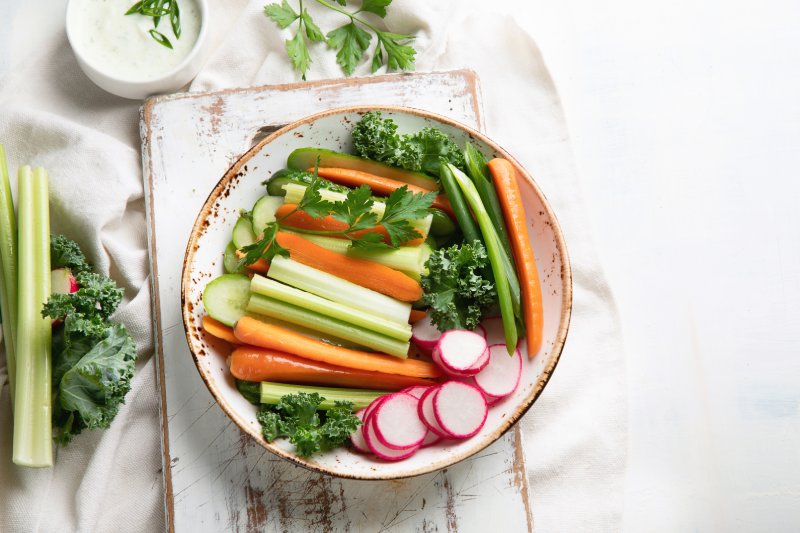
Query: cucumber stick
306,300
339,290
243,234
225,298
271,307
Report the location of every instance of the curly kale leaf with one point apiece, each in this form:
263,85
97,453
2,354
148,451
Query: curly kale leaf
65,253
455,288
90,391
297,417
376,138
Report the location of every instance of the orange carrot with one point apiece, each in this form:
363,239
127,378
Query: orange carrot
417,315
379,185
302,220
250,331
505,181
260,364
368,274
219,330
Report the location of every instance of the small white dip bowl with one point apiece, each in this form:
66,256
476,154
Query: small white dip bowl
131,85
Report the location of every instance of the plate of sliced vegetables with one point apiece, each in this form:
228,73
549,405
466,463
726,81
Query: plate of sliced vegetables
376,293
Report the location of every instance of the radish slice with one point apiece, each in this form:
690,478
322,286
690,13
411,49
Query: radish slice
357,438
416,391
425,412
425,335
381,451
460,351
62,281
460,409
430,439
396,423
501,376
493,330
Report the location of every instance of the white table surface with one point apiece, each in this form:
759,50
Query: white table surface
685,121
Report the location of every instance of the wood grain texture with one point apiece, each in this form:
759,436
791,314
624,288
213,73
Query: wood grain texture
216,477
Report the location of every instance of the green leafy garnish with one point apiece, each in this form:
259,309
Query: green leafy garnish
401,207
93,359
157,9
455,288
376,138
297,417
351,40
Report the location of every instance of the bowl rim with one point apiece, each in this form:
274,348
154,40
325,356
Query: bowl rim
143,84
519,411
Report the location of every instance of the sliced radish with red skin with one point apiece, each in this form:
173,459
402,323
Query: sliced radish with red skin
381,451
396,422
501,376
459,351
416,391
425,335
425,412
357,438
430,439
480,331
460,409
62,281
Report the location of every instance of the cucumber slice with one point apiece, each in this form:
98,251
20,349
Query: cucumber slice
264,212
225,298
243,233
229,260
305,158
441,224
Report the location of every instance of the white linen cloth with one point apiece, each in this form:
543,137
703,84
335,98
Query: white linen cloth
52,115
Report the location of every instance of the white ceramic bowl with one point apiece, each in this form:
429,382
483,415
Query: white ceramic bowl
241,186
171,80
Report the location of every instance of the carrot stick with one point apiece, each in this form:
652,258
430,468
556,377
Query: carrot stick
505,181
302,220
417,315
250,331
260,364
219,330
379,185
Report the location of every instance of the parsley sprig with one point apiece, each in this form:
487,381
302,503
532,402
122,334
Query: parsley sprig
400,208
158,9
351,41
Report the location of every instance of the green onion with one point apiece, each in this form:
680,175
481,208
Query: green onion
8,270
273,308
338,290
496,254
33,403
460,208
271,394
271,288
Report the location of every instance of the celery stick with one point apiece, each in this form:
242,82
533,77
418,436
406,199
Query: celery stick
338,290
8,270
271,394
32,406
404,258
496,254
271,288
273,308
295,192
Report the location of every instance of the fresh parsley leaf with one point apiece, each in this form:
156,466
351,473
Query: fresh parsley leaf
265,248
298,53
312,30
313,203
356,210
377,7
297,416
377,58
455,288
402,206
399,54
351,42
282,14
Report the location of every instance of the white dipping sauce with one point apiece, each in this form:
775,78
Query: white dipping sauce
121,46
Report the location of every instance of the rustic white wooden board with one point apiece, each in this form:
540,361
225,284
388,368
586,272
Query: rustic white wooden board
217,478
